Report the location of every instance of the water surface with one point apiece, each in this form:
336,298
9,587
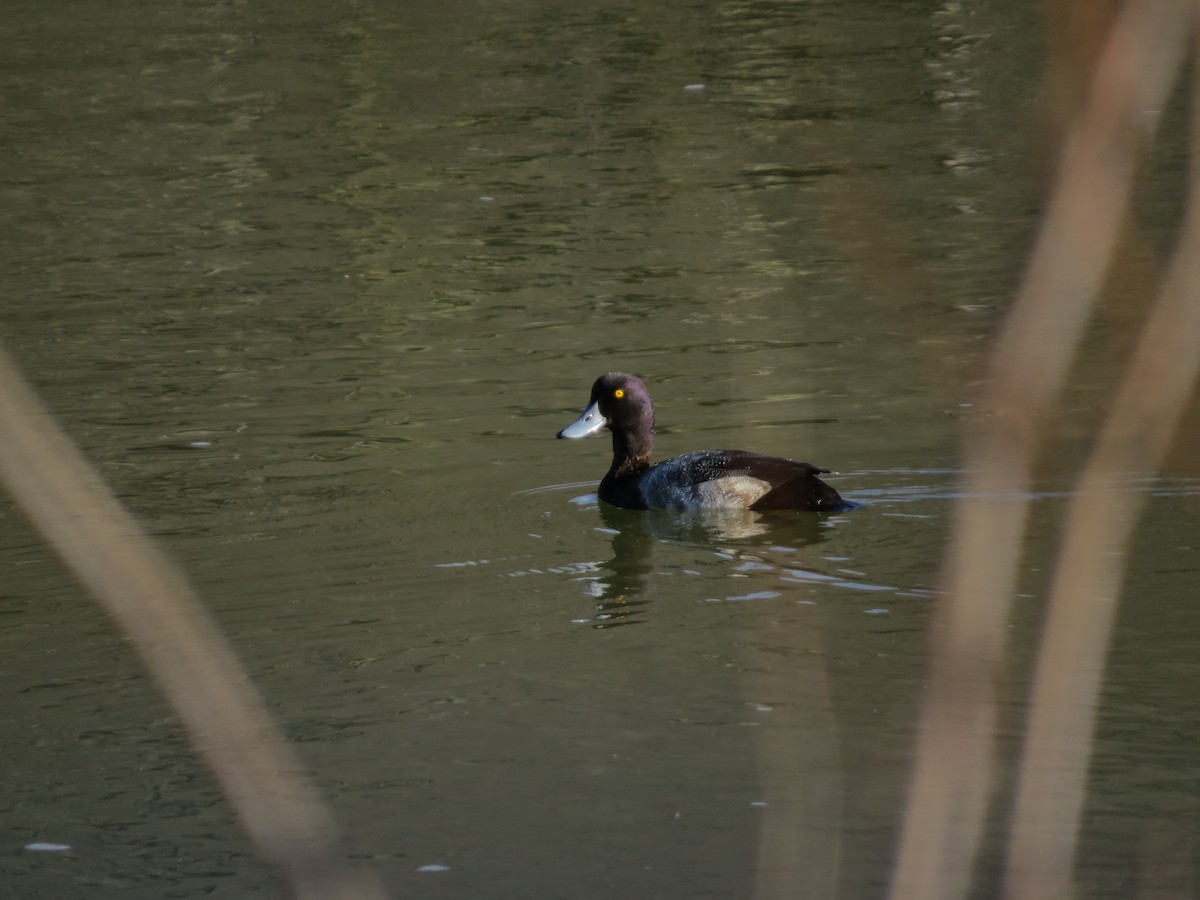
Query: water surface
316,285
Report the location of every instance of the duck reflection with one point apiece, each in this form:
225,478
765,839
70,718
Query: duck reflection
629,586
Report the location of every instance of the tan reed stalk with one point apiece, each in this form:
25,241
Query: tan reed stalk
1101,517
151,602
953,769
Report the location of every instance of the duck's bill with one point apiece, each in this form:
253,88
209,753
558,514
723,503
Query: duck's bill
589,422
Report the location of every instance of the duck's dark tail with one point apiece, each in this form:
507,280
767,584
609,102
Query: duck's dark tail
805,491
823,498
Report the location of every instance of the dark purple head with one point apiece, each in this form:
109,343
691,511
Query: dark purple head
620,402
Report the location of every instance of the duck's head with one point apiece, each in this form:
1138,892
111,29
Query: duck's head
620,402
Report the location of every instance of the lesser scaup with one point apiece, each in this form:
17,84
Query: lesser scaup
714,479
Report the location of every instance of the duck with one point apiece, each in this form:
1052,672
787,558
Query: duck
702,479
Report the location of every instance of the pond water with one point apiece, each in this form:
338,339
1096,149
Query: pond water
316,284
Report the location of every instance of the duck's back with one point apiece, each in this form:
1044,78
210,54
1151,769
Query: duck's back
724,479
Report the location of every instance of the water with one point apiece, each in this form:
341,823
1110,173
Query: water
315,286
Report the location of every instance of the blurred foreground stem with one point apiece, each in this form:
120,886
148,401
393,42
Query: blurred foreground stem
189,660
953,769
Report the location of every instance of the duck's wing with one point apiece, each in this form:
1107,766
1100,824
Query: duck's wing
793,484
736,479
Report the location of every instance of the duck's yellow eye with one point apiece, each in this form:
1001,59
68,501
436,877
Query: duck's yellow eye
618,393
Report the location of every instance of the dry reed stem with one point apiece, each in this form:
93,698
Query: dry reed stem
187,657
1134,441
952,778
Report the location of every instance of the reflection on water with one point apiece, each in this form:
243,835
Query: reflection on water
707,526
742,543
628,585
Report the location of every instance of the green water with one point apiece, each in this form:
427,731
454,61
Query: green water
316,284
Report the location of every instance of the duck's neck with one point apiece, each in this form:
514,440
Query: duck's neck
631,452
